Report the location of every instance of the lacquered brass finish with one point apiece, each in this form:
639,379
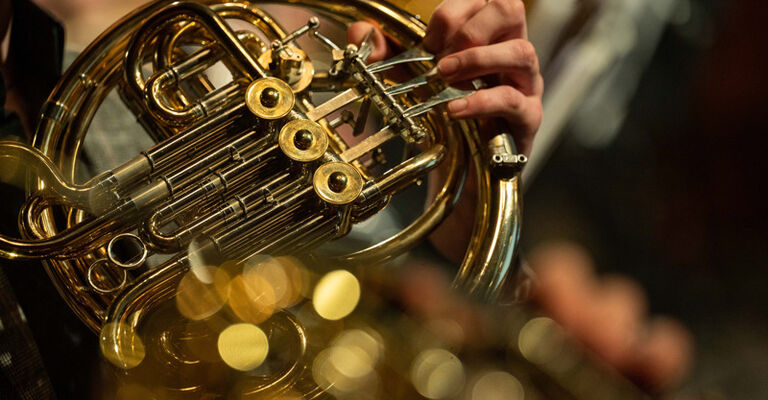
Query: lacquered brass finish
291,64
303,140
337,182
269,98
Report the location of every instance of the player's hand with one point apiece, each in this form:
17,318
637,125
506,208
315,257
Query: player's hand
473,39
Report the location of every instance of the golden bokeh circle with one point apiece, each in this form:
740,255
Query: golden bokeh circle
243,346
354,183
540,341
497,385
367,340
251,298
437,374
298,276
285,99
202,292
336,295
315,150
343,371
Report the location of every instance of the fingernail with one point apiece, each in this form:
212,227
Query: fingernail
448,66
457,105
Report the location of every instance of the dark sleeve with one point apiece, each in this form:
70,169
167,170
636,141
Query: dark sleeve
34,61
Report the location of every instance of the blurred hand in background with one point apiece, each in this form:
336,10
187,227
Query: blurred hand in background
607,314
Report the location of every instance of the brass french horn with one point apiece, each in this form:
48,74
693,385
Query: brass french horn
257,165
254,166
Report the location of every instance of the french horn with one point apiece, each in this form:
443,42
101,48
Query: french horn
258,164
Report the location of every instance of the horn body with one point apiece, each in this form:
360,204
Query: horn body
227,177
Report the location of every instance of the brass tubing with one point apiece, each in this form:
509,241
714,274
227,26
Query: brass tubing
169,44
272,236
166,53
319,226
71,242
482,222
272,230
224,215
195,63
246,64
29,215
196,110
320,238
162,154
485,277
231,151
220,182
231,237
97,90
251,160
237,174
424,224
403,175
249,13
230,93
316,230
32,159
147,291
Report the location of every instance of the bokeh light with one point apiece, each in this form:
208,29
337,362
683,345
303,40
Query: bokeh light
497,385
537,342
437,374
121,345
298,276
336,295
286,275
243,346
251,298
349,364
202,292
343,370
367,340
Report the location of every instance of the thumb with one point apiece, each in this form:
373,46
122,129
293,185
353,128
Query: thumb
357,32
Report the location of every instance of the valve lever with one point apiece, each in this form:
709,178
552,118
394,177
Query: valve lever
411,55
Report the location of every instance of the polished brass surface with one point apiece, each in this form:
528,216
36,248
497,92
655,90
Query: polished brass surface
337,182
292,65
303,140
269,98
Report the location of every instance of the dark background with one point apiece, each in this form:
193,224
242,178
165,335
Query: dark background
676,200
